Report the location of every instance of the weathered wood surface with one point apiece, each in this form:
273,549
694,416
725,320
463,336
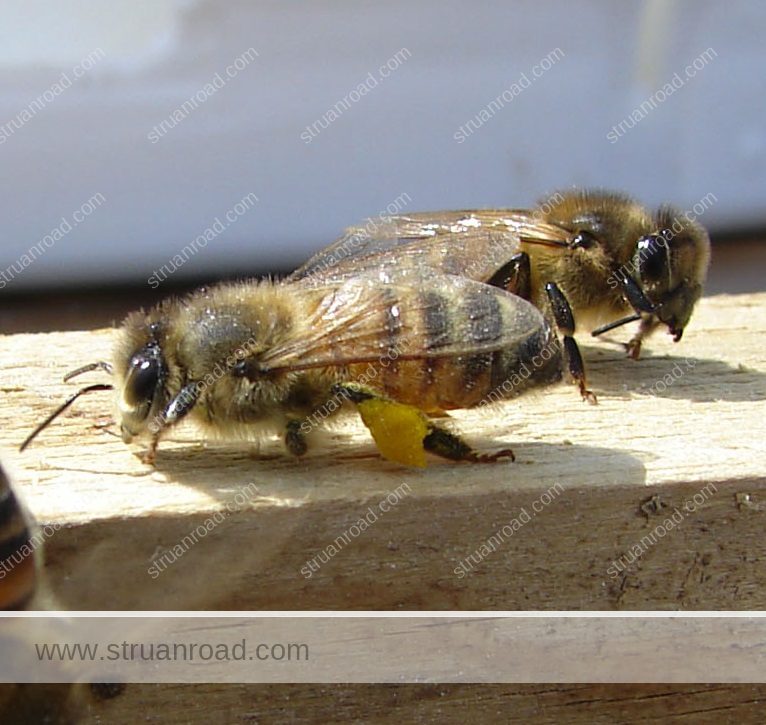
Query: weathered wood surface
434,703
703,435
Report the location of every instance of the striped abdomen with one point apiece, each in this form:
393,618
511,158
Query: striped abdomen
17,557
527,353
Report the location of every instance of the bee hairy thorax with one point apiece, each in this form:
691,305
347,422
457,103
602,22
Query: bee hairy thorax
219,338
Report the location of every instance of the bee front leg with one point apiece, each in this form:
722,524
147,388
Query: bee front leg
644,307
182,404
151,454
178,408
646,326
562,314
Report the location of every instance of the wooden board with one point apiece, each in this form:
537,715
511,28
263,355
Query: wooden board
701,436
433,703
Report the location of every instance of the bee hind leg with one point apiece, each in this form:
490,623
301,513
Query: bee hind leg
403,432
441,442
562,314
398,429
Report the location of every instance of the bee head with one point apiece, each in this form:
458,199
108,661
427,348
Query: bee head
670,267
140,374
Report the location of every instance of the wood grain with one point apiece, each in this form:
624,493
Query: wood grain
701,436
434,703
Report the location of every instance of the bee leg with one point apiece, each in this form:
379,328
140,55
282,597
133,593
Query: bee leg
643,306
633,347
151,454
562,314
294,439
447,445
515,276
403,432
182,404
398,429
179,407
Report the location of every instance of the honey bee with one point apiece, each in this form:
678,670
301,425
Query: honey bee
23,587
595,256
401,346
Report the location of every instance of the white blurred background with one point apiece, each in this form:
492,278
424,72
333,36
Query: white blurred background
88,152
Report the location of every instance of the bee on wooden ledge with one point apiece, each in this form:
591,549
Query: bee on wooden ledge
589,259
399,346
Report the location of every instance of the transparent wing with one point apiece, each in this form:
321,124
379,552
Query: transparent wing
421,313
471,242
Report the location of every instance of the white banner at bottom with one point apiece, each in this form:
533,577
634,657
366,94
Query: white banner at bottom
379,649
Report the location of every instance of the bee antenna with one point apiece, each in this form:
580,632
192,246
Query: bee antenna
100,365
612,325
56,413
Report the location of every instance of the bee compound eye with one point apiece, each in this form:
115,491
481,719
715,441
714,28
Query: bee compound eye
652,257
143,377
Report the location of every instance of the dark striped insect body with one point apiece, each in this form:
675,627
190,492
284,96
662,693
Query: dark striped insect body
23,587
399,346
20,550
589,259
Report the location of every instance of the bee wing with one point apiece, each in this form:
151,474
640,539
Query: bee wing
359,318
471,242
